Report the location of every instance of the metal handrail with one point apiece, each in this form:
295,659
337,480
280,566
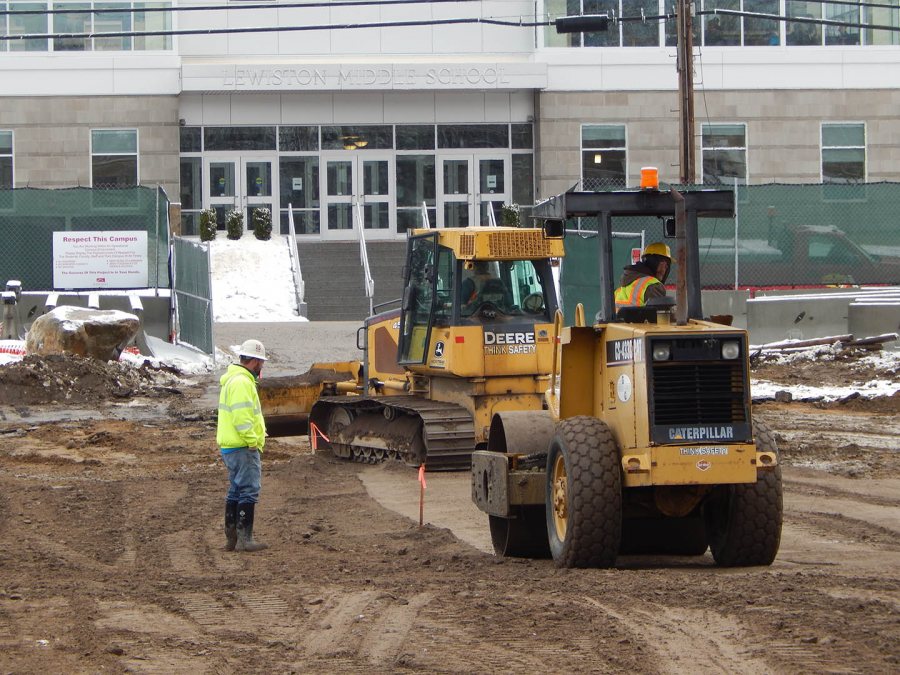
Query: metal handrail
364,259
425,216
299,286
492,219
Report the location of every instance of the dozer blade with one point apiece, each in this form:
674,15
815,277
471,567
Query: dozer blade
286,401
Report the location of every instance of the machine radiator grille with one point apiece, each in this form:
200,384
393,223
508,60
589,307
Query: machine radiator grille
467,245
699,393
520,244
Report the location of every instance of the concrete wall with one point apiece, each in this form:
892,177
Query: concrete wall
52,137
783,131
773,316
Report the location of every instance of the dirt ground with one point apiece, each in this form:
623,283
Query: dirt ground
112,560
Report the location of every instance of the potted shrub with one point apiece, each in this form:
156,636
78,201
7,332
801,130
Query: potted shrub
509,215
234,224
208,224
262,224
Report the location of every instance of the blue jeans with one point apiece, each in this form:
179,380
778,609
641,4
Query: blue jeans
244,475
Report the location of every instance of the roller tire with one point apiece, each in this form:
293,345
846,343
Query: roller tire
584,512
524,536
743,522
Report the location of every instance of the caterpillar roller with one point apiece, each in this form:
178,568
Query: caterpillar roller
471,339
645,442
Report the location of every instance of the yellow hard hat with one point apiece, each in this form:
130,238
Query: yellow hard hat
658,248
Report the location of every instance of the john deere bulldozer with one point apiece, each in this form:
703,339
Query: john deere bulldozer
645,443
471,339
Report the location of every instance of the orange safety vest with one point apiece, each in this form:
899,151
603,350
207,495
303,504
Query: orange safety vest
633,294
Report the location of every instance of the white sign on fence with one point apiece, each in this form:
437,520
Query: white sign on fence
99,260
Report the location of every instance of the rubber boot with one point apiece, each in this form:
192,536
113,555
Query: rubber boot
231,518
245,530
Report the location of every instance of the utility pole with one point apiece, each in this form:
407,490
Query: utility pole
685,63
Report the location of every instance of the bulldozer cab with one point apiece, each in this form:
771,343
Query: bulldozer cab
449,281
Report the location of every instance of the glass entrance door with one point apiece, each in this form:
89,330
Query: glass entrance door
493,187
456,203
358,186
243,183
470,185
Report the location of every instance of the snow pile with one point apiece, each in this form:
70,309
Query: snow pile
252,280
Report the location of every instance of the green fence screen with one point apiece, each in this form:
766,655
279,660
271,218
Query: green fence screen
30,216
790,236
193,293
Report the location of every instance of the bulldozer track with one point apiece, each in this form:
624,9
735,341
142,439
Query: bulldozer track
447,431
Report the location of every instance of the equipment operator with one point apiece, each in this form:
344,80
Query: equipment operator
645,279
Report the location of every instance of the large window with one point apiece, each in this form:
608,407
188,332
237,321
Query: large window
724,149
87,18
6,160
724,30
844,153
114,158
603,156
495,160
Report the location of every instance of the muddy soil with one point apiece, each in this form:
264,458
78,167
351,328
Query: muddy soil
110,518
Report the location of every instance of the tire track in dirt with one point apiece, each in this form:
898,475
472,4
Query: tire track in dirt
501,646
883,517
715,642
386,640
331,626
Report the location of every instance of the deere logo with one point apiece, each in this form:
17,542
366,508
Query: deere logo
439,349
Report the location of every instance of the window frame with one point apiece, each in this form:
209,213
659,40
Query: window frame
12,158
583,149
136,154
704,148
823,147
94,10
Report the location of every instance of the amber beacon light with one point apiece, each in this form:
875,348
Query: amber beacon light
649,178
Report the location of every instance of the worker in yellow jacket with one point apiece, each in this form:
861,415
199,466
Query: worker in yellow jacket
241,435
645,279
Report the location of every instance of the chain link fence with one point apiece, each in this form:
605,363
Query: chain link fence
193,293
30,216
791,236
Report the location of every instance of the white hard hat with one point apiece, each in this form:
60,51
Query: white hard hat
253,349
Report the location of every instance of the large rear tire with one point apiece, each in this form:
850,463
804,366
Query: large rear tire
584,494
743,522
523,536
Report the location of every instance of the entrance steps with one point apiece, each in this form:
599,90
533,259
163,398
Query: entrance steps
333,277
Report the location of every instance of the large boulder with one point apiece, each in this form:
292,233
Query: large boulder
98,333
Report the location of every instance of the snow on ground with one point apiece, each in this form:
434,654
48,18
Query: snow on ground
765,390
252,280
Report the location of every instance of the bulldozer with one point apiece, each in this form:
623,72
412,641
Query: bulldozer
645,442
471,339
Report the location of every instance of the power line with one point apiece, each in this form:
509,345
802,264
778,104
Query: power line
276,29
198,8
513,23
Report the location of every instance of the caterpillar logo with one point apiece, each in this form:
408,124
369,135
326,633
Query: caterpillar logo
701,434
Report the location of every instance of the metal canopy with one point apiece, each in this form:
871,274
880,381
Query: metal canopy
705,203
607,205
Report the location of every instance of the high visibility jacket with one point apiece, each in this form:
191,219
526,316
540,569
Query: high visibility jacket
241,422
634,294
